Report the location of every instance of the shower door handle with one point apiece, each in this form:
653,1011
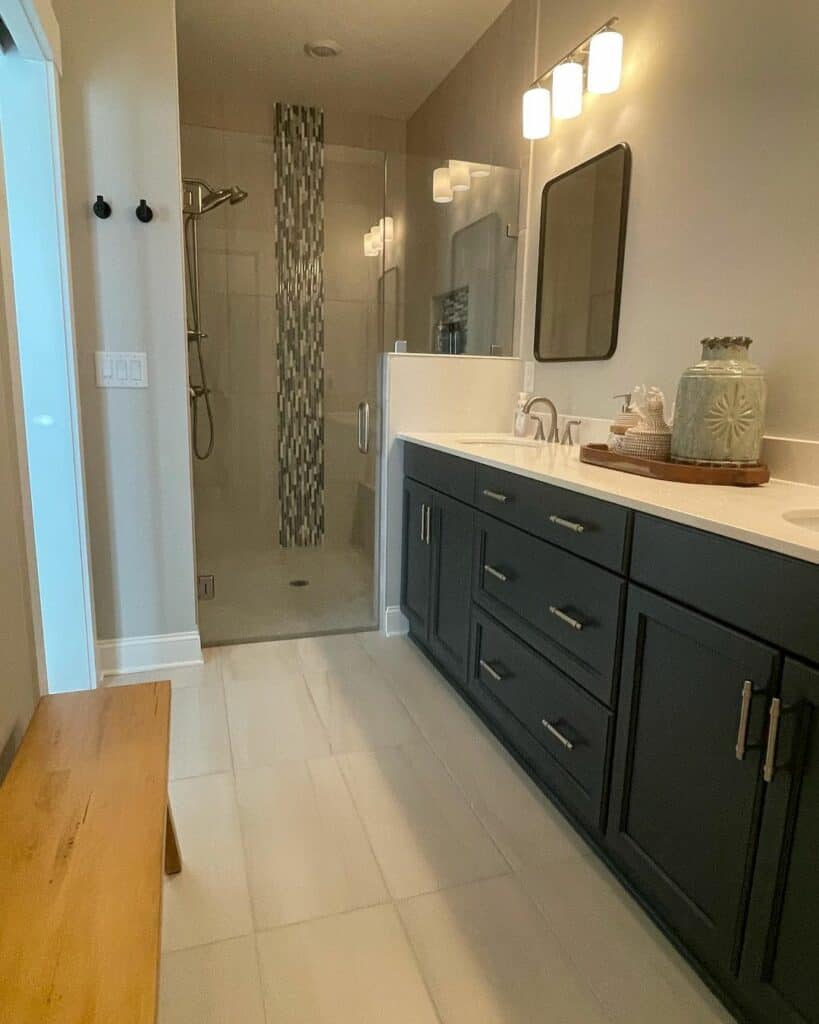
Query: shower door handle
364,427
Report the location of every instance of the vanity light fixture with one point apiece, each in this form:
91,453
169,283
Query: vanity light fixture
567,90
441,185
373,245
537,113
480,170
459,177
386,229
605,62
600,53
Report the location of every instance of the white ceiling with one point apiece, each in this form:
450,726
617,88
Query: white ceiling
395,52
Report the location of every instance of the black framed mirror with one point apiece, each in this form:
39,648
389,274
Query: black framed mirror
580,263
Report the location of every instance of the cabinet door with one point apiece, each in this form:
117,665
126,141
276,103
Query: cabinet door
415,583
452,537
779,963
684,808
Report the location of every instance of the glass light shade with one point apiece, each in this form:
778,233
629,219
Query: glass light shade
370,245
567,90
375,234
605,62
479,170
386,228
537,113
459,177
441,186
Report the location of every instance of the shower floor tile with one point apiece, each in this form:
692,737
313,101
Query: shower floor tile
255,599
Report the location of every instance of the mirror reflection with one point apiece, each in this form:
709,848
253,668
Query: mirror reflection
582,237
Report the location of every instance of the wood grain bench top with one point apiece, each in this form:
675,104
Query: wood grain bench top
82,826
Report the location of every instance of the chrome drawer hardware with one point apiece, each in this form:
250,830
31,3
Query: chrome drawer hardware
496,573
496,496
491,671
769,769
777,710
429,522
748,694
558,735
567,523
574,623
423,523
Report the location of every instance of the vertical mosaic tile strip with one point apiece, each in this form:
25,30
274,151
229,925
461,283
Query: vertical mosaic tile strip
299,199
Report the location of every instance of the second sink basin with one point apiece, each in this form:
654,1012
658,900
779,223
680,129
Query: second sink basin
807,518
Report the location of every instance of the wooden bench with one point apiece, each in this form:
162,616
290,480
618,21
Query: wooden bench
84,828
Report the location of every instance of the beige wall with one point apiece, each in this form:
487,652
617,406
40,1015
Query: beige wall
18,680
121,138
474,114
719,108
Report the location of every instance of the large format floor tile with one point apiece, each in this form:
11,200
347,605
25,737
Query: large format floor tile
273,720
359,710
259,662
307,852
423,832
355,968
342,653
199,732
214,984
489,958
634,970
209,899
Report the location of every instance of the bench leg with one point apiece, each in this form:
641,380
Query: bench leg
173,862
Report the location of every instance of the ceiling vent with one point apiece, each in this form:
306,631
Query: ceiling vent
322,48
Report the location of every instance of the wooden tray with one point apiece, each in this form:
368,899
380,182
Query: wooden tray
679,472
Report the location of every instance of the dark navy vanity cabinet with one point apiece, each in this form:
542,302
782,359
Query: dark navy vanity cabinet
661,684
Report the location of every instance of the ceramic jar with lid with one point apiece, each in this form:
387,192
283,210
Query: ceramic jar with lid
720,411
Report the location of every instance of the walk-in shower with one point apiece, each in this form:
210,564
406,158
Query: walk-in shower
199,198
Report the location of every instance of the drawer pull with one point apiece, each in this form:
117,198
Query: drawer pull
496,496
566,523
769,768
558,735
491,671
574,623
423,523
744,717
496,573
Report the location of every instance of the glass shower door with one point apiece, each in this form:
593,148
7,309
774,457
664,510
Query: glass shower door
264,585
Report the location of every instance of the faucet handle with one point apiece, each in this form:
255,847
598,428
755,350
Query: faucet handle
567,431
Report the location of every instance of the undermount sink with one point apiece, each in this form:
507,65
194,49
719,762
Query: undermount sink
807,518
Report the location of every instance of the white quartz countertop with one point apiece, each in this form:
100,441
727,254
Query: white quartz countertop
754,515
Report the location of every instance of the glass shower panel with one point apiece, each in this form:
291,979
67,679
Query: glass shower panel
262,589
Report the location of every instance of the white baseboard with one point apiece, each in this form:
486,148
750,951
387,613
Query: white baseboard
395,622
145,653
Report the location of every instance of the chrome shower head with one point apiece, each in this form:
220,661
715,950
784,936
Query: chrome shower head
237,195
213,199
198,197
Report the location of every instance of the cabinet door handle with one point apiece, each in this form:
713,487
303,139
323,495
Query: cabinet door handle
574,623
423,522
558,735
496,573
496,496
429,522
744,717
769,768
497,676
566,523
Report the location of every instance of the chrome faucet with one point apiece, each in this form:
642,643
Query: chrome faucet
554,436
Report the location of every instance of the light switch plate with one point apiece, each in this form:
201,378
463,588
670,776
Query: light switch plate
528,375
121,369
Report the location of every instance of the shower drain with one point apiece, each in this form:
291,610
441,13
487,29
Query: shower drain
299,583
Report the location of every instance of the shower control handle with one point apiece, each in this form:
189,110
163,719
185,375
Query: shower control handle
364,427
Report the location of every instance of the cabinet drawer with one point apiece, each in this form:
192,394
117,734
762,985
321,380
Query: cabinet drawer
586,526
770,596
564,607
446,473
571,731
